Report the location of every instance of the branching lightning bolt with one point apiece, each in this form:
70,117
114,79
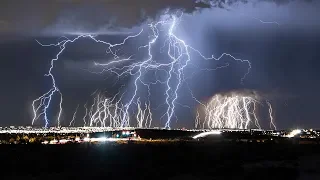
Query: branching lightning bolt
144,114
41,104
180,55
116,112
235,110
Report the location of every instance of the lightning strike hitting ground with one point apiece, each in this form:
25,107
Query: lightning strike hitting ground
179,53
85,115
106,112
144,115
41,104
197,120
235,111
72,122
272,125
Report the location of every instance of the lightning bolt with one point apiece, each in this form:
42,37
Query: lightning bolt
74,116
272,125
197,120
85,115
41,104
144,115
105,111
256,122
235,111
180,55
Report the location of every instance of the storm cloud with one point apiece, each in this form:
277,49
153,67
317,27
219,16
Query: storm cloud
62,17
81,15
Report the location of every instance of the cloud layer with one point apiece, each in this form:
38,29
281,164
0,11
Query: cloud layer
82,15
34,17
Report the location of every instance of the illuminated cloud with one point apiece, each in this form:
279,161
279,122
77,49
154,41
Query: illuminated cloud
65,17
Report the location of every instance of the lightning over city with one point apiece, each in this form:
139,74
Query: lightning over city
235,110
156,89
179,54
146,71
41,104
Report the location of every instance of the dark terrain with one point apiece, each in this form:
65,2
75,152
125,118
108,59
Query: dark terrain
182,160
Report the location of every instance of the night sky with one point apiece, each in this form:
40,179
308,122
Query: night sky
280,38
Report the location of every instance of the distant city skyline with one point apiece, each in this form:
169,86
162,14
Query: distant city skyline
272,56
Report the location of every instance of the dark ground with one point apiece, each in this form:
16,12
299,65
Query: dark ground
160,161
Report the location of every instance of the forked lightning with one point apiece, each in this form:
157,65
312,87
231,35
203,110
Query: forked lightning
115,112
235,111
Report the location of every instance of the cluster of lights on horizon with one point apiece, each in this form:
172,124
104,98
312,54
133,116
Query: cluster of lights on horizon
236,112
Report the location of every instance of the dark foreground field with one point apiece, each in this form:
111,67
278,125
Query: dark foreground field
154,161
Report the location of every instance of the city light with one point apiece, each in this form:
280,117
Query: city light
204,134
294,133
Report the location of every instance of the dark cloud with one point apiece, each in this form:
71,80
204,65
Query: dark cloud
57,17
81,15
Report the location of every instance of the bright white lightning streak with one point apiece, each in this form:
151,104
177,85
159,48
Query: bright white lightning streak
74,116
256,122
197,120
179,56
85,115
41,104
272,125
233,111
106,110
60,108
144,115
184,49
